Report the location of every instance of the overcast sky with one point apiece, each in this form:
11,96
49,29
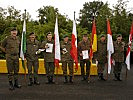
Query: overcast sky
66,7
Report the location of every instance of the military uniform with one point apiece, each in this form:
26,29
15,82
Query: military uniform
81,47
11,46
32,59
118,57
66,59
101,56
49,61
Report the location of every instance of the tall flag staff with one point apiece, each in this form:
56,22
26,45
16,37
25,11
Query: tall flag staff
23,45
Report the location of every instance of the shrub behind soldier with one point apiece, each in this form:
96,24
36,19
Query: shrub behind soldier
32,46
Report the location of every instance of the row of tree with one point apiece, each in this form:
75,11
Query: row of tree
119,16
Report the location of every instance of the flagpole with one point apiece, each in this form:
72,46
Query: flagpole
24,61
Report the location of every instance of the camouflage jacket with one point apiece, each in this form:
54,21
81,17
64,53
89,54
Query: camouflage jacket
31,48
65,47
118,54
48,57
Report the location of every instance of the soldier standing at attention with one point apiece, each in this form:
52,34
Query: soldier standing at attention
84,48
118,57
32,45
11,45
101,56
48,45
66,59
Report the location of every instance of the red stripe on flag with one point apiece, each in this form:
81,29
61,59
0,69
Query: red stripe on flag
74,50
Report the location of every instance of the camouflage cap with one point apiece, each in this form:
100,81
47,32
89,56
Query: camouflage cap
85,35
65,36
102,35
14,29
119,35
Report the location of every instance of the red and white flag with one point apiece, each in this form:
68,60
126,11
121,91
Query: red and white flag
57,44
129,48
110,47
73,52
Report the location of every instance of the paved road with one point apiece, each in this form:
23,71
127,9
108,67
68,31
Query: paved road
79,90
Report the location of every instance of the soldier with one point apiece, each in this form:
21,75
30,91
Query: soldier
84,47
11,45
32,58
118,56
49,57
101,56
66,59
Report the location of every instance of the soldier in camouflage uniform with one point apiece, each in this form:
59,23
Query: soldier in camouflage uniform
83,46
101,56
118,56
66,59
32,45
49,57
11,45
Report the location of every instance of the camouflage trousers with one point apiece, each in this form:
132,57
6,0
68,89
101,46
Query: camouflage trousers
82,65
70,66
49,67
33,66
101,66
117,67
12,63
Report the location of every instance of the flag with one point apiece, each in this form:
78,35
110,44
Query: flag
110,47
129,48
93,40
57,44
23,44
73,51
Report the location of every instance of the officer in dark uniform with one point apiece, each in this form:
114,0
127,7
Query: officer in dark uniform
101,56
66,59
118,56
32,46
84,46
49,57
11,45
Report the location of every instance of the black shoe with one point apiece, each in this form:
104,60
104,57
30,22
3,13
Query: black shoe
48,82
36,82
102,78
51,80
118,78
16,85
11,87
66,80
30,82
71,79
83,78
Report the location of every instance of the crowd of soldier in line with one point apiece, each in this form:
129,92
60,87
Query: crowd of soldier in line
11,46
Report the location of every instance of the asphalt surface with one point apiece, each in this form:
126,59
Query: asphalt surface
79,90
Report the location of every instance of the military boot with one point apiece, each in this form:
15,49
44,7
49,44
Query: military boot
71,79
11,87
16,84
36,82
51,80
118,78
102,78
48,82
30,82
66,80
99,76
